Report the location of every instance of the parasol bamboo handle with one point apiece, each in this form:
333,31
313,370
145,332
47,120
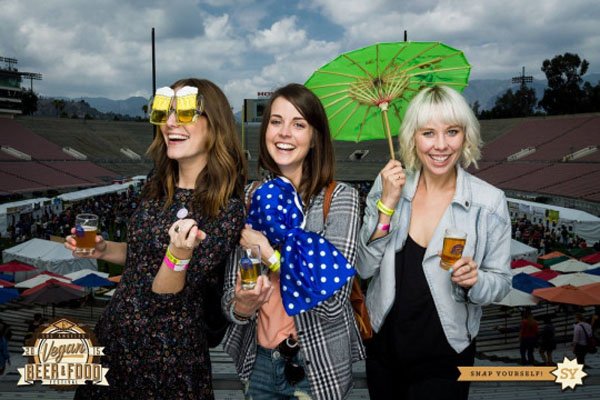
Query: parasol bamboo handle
387,130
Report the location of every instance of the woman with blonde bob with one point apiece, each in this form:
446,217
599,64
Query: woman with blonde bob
156,330
426,317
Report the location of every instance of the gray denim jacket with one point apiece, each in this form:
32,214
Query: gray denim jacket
477,208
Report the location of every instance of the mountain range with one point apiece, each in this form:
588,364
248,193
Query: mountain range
483,90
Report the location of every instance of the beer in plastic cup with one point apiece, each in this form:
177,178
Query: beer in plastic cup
454,243
86,228
250,265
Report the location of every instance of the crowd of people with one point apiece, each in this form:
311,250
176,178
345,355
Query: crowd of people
113,210
547,236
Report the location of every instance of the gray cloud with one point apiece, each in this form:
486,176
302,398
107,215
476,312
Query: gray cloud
103,48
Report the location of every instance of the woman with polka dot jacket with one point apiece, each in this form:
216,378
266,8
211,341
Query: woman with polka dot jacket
294,334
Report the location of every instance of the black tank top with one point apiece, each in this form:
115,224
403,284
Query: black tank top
412,330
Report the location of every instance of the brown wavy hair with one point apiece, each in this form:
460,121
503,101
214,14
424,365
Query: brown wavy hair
319,165
225,172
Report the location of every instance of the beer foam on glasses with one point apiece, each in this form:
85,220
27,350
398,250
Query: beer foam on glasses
160,105
186,103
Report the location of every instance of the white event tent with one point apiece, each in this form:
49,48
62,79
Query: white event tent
46,255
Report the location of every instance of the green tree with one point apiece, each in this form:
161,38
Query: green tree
564,94
513,104
29,101
59,105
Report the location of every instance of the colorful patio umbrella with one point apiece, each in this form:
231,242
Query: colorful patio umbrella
92,280
591,258
7,277
546,274
530,269
365,92
8,294
6,284
528,283
518,298
16,266
570,265
83,272
552,254
568,294
593,271
579,252
41,278
592,289
523,263
576,279
552,261
52,291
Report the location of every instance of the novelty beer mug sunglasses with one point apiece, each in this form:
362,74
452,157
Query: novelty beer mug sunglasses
188,105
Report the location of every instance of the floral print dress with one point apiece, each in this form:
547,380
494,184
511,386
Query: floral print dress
155,344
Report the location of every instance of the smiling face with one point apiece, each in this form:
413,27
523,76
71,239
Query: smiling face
438,146
186,144
288,139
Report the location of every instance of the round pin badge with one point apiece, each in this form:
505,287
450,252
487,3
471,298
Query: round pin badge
182,213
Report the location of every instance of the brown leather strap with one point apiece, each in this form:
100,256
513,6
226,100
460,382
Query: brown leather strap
327,199
253,186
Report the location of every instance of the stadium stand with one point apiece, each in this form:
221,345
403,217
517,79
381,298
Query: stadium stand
541,173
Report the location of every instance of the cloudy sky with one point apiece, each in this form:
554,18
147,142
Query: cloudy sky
103,49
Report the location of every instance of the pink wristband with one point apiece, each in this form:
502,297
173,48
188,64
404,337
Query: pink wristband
173,266
383,227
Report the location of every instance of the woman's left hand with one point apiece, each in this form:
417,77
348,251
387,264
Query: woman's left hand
464,272
185,237
254,237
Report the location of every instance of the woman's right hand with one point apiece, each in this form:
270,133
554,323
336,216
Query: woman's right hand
248,301
393,179
99,249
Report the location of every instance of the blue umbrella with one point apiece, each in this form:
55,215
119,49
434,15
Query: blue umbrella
92,280
7,294
593,271
7,277
528,283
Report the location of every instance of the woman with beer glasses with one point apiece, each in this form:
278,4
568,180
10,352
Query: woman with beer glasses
426,312
155,330
294,334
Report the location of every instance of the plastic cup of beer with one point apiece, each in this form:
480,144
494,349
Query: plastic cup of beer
86,228
454,243
250,265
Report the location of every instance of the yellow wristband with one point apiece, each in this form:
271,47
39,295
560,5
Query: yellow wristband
384,210
174,259
275,261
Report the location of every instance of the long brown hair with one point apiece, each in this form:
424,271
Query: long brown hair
225,172
319,164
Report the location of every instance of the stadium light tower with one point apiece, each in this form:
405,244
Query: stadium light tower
522,80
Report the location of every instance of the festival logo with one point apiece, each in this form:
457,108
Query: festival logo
63,354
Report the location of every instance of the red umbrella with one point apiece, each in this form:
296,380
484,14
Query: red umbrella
569,294
52,292
546,274
15,266
591,258
6,284
524,263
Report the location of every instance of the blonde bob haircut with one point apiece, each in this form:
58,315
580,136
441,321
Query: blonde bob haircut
444,104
